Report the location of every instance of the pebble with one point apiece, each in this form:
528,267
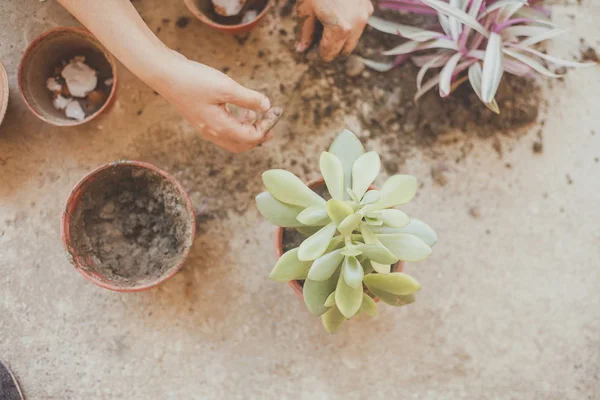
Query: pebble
354,67
378,93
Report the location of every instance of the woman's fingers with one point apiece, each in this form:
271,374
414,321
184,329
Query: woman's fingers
306,21
237,136
246,98
352,41
333,41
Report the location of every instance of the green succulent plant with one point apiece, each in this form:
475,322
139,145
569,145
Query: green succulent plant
353,240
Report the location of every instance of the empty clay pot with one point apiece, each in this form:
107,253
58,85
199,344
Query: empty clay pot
296,285
128,226
3,92
46,52
203,10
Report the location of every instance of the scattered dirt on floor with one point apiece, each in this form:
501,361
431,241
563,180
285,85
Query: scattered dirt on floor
588,53
132,224
217,181
384,101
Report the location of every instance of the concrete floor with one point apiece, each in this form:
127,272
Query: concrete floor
510,307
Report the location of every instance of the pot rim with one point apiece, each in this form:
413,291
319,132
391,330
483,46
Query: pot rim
87,35
4,91
77,192
237,28
295,284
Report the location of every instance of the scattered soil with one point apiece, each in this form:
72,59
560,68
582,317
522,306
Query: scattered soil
384,101
182,22
132,224
587,52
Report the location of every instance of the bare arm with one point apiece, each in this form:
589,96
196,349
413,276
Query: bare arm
198,91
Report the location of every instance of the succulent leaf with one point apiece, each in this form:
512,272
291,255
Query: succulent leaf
325,266
288,188
314,216
397,190
333,174
378,253
316,292
347,298
368,305
338,210
314,246
351,251
371,239
308,230
349,224
276,212
397,283
353,272
416,228
373,221
391,217
347,148
372,196
289,267
333,320
393,299
364,171
330,301
404,246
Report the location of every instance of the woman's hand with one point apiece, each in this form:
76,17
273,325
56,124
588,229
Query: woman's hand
343,23
200,93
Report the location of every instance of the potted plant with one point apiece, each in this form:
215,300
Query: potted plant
476,40
344,241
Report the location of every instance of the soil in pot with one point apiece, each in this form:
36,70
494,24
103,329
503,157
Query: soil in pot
250,11
132,224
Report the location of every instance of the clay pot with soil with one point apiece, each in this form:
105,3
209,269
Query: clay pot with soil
340,243
3,92
128,226
66,77
246,13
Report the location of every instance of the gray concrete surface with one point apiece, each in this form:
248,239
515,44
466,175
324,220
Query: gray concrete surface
510,306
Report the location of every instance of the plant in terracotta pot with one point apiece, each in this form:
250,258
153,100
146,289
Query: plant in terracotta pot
345,242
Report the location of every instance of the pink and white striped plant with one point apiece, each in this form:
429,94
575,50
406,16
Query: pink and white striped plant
475,40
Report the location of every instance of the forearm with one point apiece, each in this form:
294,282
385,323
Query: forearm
117,24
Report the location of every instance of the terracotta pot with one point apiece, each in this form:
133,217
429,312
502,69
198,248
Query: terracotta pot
48,50
203,10
80,252
3,92
295,285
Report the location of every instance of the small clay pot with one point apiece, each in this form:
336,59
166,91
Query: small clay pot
128,226
3,92
46,52
203,10
295,285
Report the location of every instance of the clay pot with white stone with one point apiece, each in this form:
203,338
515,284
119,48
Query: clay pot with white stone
128,226
230,16
67,77
3,92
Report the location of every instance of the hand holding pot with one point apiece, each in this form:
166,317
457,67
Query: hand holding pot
343,23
